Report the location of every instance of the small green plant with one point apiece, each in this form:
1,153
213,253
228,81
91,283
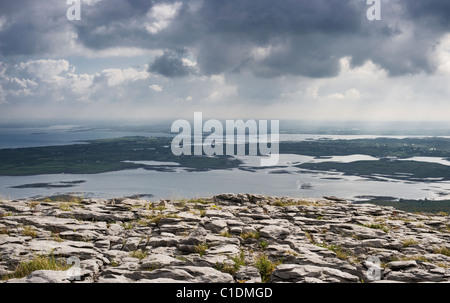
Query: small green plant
140,254
265,267
310,237
56,237
29,231
251,234
143,222
201,249
377,226
239,260
23,269
65,207
157,218
33,204
127,226
160,207
113,263
409,242
225,268
447,228
4,231
443,251
263,245
225,234
338,250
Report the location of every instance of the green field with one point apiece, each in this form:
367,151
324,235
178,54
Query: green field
393,169
100,156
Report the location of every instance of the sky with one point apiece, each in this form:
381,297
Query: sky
142,60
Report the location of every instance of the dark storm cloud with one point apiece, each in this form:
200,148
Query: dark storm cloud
30,27
295,37
301,30
435,13
171,65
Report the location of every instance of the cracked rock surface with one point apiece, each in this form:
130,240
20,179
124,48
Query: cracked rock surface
226,238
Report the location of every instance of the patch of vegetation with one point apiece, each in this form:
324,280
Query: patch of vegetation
33,204
225,234
263,245
395,169
337,249
201,248
156,219
239,260
310,237
140,254
4,231
29,231
99,156
443,251
56,237
378,147
61,198
65,207
376,226
251,235
265,267
113,262
409,242
23,269
127,225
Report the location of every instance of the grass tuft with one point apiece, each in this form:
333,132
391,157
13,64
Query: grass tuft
23,269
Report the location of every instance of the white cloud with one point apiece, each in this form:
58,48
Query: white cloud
160,16
118,76
441,55
156,88
45,69
188,63
3,21
90,2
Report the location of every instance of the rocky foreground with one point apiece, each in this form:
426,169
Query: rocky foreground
227,238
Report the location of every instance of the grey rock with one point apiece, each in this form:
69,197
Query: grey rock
43,276
216,225
191,274
248,274
132,244
397,265
154,261
298,273
227,249
274,232
114,279
305,236
377,243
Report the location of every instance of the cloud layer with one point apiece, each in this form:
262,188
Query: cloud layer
262,57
